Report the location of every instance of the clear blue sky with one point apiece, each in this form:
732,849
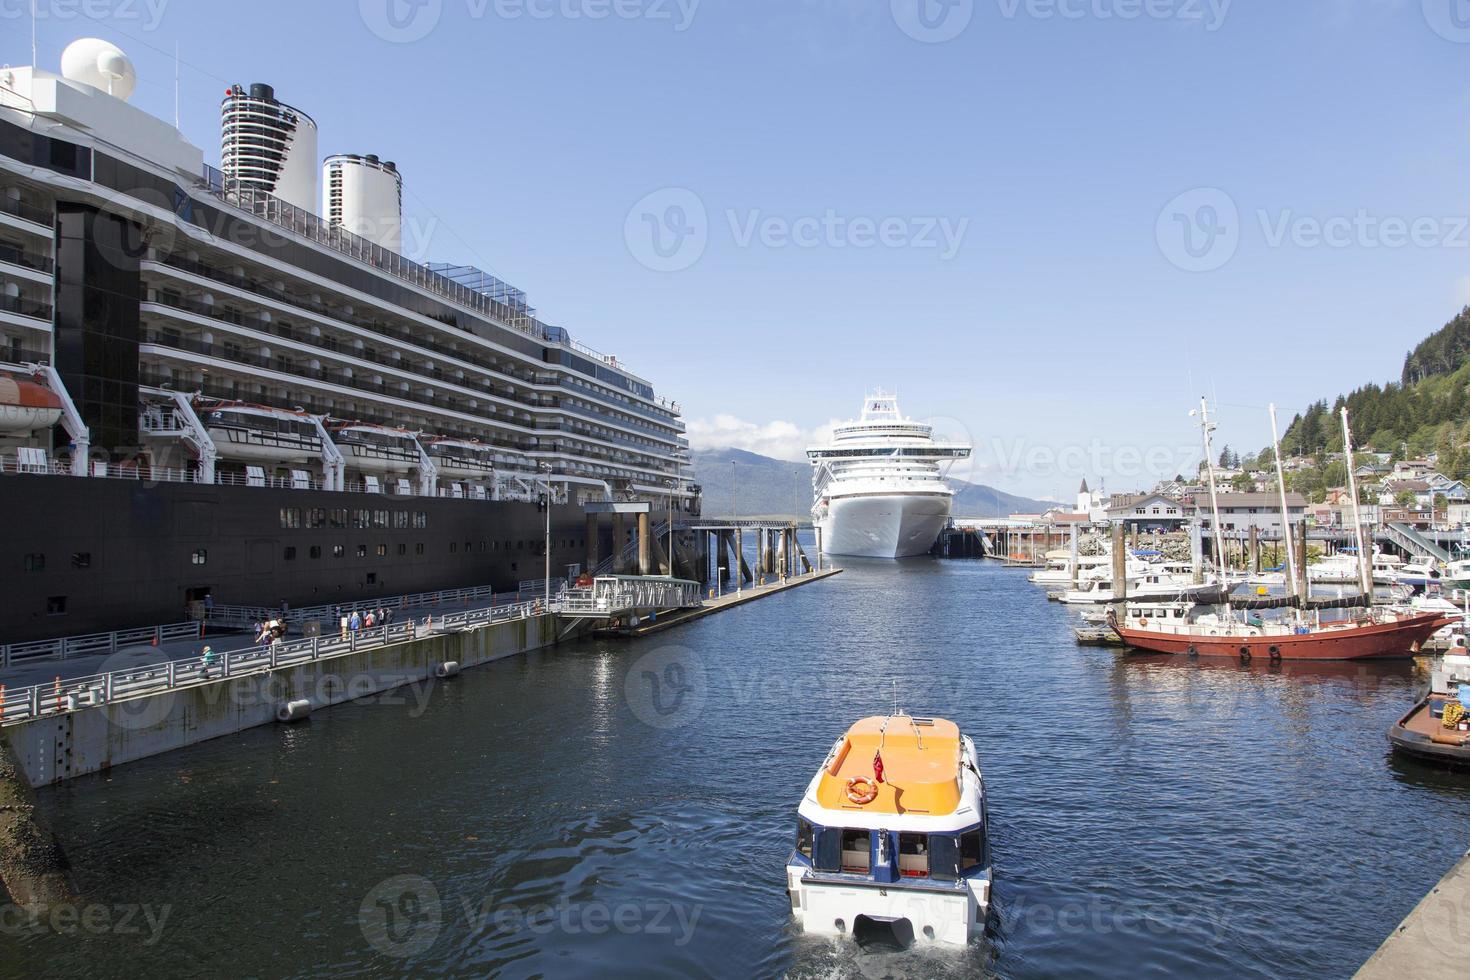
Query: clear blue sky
1060,325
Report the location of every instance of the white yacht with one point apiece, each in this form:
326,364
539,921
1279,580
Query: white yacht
879,485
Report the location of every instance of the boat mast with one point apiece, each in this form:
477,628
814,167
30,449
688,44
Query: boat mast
1285,511
1365,577
1204,411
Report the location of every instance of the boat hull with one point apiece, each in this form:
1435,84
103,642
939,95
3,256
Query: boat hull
1424,738
884,526
911,916
1376,641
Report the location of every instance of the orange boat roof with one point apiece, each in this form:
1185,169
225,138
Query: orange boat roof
921,766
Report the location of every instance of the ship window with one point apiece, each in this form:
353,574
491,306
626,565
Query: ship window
81,559
467,545
400,519
337,551
316,551
200,556
804,835
290,517
380,518
362,551
362,519
420,519
290,554
372,578
453,547
316,517
35,562
418,549
339,517
402,550
382,551
913,855
828,851
56,605
856,846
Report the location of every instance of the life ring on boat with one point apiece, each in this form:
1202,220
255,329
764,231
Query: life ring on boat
1143,621
869,793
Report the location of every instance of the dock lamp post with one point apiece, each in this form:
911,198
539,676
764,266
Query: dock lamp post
546,483
735,521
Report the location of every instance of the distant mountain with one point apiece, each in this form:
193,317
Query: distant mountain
764,487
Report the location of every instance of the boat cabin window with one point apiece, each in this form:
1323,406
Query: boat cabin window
804,836
828,850
913,855
856,851
972,850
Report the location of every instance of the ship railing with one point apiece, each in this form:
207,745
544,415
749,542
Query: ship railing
62,648
65,695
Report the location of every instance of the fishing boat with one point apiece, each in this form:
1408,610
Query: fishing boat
1438,727
891,837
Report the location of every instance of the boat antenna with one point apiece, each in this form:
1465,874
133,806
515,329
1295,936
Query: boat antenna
1285,511
1365,578
35,59
1208,428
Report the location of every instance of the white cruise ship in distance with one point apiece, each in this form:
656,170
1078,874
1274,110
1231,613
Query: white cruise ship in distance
879,487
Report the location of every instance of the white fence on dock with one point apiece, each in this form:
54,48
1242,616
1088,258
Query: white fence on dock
18,654
72,694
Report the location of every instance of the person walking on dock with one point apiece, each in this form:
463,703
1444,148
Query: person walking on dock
355,623
208,606
206,663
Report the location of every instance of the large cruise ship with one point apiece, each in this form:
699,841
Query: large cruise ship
879,485
230,382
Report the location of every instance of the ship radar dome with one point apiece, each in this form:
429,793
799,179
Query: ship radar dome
100,64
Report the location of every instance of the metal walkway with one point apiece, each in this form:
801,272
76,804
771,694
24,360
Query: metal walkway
1415,543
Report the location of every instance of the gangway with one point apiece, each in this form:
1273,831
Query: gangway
1406,537
614,596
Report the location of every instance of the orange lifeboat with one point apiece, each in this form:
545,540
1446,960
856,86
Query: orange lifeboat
26,406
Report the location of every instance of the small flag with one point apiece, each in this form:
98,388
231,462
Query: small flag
878,765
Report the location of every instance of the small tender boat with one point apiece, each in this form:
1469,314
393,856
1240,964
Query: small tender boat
891,837
377,448
26,405
1438,727
257,433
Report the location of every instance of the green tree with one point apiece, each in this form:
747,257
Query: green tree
1406,499
1242,483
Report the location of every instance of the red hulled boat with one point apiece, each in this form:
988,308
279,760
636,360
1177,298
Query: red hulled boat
1378,634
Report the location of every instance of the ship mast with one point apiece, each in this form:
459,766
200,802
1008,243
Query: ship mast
1207,428
1365,577
1285,511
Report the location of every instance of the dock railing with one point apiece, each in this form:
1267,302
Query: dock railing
18,654
65,695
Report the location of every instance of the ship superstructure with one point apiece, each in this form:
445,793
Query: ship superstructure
200,330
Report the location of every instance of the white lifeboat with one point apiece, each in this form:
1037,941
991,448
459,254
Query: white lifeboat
26,406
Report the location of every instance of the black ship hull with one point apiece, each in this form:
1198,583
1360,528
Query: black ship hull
92,555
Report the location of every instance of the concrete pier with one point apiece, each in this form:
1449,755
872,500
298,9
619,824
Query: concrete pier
729,600
33,869
54,748
1434,941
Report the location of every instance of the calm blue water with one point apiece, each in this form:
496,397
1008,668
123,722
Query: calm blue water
558,815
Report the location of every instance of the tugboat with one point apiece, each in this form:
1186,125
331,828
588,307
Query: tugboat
1438,727
891,837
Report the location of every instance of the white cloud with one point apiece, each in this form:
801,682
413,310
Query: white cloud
778,439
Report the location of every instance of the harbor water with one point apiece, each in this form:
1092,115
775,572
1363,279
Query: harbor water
625,809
